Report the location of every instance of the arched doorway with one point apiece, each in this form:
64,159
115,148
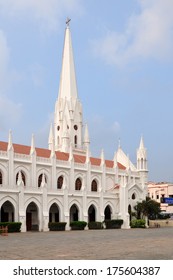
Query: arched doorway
7,212
74,213
107,213
54,213
91,214
32,222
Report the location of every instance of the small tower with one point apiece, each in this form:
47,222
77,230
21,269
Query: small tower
142,157
142,165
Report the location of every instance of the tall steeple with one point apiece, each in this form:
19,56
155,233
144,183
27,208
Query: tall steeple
68,108
68,85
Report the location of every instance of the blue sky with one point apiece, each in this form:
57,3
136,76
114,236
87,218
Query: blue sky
124,67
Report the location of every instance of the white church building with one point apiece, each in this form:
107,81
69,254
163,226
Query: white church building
64,183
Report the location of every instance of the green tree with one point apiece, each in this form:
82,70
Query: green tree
148,208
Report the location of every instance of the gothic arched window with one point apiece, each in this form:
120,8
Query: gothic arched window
1,178
60,182
133,196
78,184
40,180
23,178
94,186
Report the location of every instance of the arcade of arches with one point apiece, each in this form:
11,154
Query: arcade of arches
32,214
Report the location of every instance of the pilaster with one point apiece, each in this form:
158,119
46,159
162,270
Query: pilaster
66,217
45,209
22,212
123,214
102,188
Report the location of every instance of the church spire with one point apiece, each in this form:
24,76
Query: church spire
68,85
68,109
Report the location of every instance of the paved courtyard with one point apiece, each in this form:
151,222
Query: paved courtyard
141,244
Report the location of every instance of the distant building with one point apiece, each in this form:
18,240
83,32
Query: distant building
64,182
159,191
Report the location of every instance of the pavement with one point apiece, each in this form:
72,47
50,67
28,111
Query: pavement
113,244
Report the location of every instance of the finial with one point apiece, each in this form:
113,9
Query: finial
10,144
141,145
102,157
68,21
32,150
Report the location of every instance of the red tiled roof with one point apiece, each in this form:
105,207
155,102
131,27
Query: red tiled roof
62,156
3,146
43,152
22,149
120,166
79,158
95,161
109,163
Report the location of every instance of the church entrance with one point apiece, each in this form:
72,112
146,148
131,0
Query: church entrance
54,213
107,213
7,212
91,214
32,217
74,213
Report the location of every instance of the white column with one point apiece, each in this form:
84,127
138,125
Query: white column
22,212
66,215
45,220
11,178
123,214
34,179
54,179
102,190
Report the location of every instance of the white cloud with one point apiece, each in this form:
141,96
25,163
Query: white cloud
147,35
47,12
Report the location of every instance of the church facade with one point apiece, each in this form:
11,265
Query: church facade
65,183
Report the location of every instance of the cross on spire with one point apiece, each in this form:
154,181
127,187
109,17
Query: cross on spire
68,21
